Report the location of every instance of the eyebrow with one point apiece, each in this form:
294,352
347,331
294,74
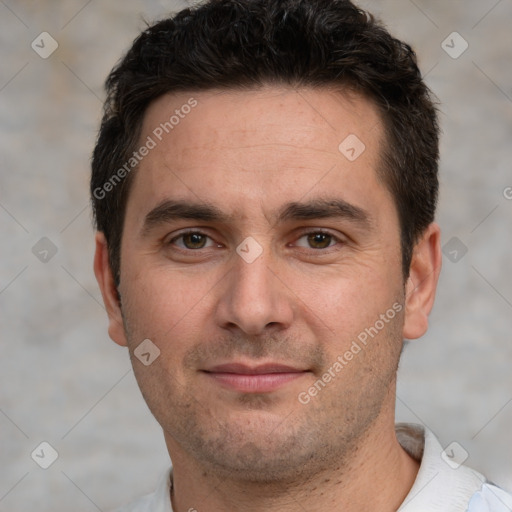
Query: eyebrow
169,210
326,208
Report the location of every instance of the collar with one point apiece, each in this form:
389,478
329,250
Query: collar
439,486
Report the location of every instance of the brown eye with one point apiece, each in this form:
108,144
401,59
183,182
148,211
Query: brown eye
192,240
319,240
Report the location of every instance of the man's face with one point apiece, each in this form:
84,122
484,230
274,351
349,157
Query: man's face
245,334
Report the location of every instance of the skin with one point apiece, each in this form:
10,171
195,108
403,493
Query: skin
301,302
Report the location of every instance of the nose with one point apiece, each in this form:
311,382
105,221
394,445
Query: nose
254,298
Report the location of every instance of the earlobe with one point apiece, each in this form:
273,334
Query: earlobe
422,282
105,279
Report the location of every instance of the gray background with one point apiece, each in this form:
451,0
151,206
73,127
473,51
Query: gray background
63,381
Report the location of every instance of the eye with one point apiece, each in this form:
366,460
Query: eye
196,240
318,240
191,240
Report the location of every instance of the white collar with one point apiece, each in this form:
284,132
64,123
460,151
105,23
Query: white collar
438,486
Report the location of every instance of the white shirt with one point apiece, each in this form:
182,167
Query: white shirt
442,485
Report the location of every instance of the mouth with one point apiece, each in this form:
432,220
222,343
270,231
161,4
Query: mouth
253,379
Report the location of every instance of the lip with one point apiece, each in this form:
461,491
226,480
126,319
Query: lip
244,369
263,378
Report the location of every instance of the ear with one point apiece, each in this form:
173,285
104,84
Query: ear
421,285
105,279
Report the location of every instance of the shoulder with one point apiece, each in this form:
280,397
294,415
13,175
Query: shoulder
443,482
142,504
157,501
490,499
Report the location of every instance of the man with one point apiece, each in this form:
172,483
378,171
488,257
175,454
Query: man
264,187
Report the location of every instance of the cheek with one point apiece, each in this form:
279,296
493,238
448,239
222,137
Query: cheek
160,304
345,302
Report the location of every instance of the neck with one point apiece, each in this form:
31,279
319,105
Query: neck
377,477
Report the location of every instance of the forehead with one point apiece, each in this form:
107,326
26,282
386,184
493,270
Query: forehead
243,149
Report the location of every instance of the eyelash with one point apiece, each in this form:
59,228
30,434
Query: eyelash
302,235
